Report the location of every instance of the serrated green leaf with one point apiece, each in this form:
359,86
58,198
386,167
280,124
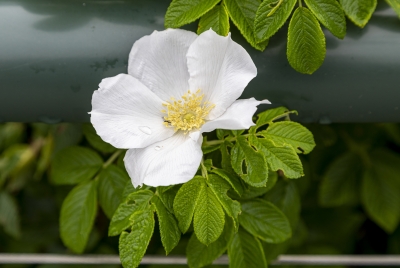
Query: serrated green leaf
270,115
169,230
395,4
243,13
282,157
226,157
231,178
181,12
306,42
78,212
359,11
9,217
287,198
245,251
270,17
249,164
200,255
209,217
222,133
339,185
290,133
112,181
168,196
265,221
133,245
330,14
380,191
217,19
95,140
75,164
135,201
185,202
250,192
220,188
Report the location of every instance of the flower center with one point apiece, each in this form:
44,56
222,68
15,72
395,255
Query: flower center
187,114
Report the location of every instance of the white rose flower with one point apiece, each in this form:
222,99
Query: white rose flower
178,86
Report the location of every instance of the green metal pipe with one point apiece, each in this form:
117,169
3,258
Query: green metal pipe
53,54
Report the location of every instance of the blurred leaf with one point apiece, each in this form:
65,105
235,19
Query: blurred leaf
181,12
95,140
282,157
290,133
265,221
10,134
243,14
135,201
112,181
14,160
381,190
217,19
249,164
66,135
200,255
133,245
395,4
330,14
339,185
359,11
245,251
9,217
306,42
209,217
251,192
74,165
270,17
169,230
220,188
186,200
78,212
45,157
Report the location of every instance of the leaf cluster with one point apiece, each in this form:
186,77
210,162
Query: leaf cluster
259,20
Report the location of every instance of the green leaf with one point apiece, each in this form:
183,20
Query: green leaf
243,14
133,245
270,17
136,201
395,4
95,140
339,185
231,178
181,12
9,217
209,148
78,212
226,157
220,188
185,202
112,181
251,192
209,217
330,14
217,19
282,157
200,255
267,117
306,42
245,251
168,196
290,133
249,164
265,221
380,190
359,11
169,230
287,198
75,165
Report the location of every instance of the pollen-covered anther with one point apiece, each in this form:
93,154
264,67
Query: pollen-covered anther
187,114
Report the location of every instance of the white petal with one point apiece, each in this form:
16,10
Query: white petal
219,67
172,161
126,114
238,116
159,62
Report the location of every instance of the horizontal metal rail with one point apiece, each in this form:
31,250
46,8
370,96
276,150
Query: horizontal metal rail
327,260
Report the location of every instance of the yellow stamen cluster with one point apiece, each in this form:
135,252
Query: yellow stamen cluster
187,114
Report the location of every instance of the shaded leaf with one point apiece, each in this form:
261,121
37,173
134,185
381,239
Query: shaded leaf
9,217
395,4
231,178
251,192
95,140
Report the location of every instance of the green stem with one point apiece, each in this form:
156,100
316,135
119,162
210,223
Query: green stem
204,172
112,158
300,4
